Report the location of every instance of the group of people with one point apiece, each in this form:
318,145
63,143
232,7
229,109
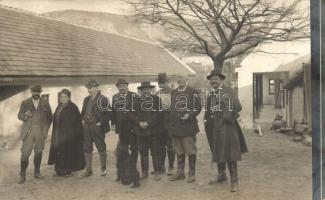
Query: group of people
162,123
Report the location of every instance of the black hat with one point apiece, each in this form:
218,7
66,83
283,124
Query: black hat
121,81
162,78
92,83
145,84
36,88
216,72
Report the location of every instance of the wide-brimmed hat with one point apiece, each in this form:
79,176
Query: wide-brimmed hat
36,88
121,81
145,84
216,72
92,83
162,78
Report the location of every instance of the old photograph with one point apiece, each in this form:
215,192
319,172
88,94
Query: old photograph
155,99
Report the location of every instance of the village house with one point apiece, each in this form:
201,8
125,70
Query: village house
38,50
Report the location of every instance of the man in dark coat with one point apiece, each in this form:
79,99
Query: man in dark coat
95,116
36,114
148,127
167,148
123,107
66,151
183,126
229,142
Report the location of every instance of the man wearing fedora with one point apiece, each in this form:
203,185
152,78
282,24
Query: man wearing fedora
123,107
166,148
36,114
227,141
148,128
95,114
183,126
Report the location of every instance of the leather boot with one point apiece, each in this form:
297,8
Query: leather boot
180,169
191,173
221,174
37,164
88,160
22,175
157,167
232,166
171,160
103,158
144,166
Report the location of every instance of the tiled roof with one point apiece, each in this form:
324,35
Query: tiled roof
31,45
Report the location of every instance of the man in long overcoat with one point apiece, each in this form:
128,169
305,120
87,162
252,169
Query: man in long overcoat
95,115
229,142
123,107
36,114
183,126
148,127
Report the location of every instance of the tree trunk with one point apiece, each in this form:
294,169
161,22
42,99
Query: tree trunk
218,63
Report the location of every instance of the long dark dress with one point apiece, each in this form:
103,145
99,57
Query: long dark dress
66,151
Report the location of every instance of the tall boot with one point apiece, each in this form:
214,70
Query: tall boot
37,164
171,160
103,158
232,166
88,160
162,160
191,173
180,168
144,166
156,160
221,174
22,175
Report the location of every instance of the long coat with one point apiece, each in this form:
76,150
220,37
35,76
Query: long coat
229,141
147,110
46,116
66,150
123,115
183,102
101,111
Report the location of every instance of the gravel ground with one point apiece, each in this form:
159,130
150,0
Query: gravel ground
275,168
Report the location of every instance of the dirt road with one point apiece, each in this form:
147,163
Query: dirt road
275,168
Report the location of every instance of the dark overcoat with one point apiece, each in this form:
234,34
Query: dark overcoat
66,150
123,112
101,110
182,102
147,110
46,116
229,141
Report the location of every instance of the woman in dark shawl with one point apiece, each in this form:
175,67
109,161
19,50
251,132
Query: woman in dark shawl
66,151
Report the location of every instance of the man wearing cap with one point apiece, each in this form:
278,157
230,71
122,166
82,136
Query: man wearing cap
123,107
36,114
183,126
95,115
228,142
167,148
148,128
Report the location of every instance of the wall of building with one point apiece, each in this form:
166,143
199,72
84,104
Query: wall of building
9,123
268,99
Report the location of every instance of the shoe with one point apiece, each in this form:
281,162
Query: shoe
103,172
157,176
38,176
144,175
190,179
219,179
88,173
171,171
135,185
22,179
177,176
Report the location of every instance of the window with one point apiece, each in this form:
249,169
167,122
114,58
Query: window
271,86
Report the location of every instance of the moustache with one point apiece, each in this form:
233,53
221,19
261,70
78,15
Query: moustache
36,96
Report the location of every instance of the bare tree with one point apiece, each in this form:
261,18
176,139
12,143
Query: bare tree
223,29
